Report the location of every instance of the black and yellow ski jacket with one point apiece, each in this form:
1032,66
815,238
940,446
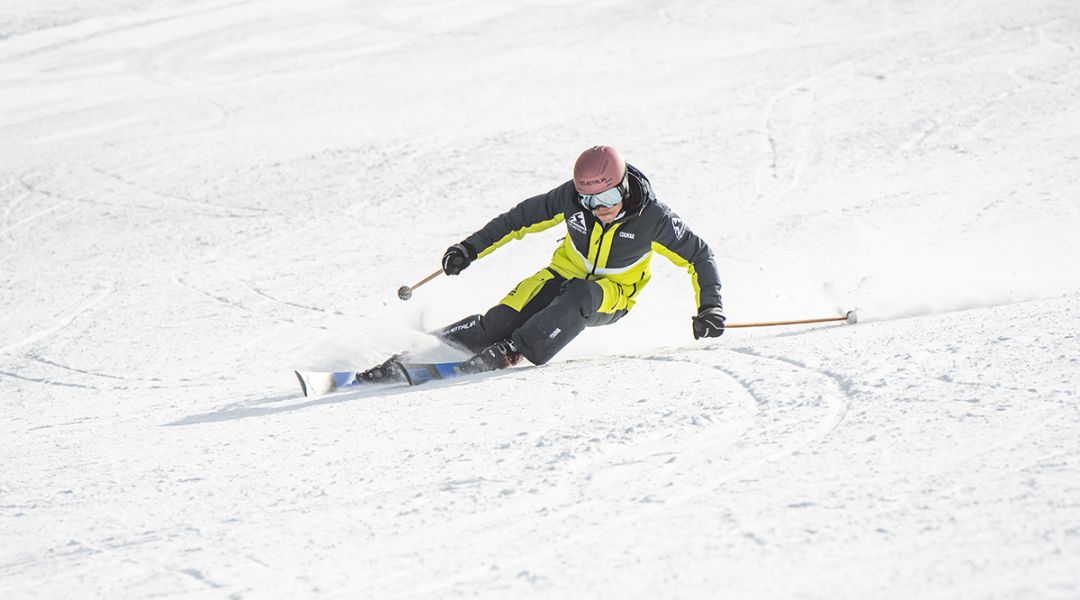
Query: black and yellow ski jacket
617,255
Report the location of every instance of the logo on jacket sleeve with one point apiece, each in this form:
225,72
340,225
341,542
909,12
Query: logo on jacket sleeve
577,222
679,227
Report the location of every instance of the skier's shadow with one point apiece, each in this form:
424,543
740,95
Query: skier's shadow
257,408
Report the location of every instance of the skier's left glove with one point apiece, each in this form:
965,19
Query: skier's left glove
709,322
457,258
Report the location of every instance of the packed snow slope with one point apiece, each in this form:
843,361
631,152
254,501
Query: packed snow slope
198,197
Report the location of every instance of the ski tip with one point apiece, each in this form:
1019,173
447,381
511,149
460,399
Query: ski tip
853,316
303,383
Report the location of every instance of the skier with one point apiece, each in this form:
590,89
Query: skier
614,223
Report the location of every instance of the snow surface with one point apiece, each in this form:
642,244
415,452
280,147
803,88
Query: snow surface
198,197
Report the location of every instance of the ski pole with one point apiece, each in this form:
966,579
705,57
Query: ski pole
405,292
852,317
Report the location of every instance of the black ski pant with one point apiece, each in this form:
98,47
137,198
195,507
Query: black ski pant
559,311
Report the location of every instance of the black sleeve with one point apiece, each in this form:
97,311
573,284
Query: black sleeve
534,214
681,246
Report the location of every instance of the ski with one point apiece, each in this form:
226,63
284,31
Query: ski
319,383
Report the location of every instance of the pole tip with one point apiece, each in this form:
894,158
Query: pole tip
404,292
853,316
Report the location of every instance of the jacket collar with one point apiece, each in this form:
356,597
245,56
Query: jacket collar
641,193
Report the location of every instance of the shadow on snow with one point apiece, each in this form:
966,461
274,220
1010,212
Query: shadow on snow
256,408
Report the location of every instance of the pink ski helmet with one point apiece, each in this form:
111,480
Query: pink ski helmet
598,169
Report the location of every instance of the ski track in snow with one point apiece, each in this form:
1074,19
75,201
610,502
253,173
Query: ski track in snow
65,43
9,226
801,96
241,306
199,198
827,421
61,322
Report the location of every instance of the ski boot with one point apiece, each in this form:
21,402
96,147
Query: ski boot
390,371
497,356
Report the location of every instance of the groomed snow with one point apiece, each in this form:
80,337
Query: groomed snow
198,197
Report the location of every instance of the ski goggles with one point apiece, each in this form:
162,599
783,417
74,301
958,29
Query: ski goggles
606,198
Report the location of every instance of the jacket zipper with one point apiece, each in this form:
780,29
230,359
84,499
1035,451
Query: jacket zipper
599,245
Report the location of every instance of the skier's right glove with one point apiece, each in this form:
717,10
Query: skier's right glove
709,322
457,258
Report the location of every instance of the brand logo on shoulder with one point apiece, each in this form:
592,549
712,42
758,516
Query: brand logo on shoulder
626,234
679,227
577,222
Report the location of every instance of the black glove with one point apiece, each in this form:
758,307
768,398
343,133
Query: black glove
457,257
709,322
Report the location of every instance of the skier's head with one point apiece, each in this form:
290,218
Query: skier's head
600,177
598,169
